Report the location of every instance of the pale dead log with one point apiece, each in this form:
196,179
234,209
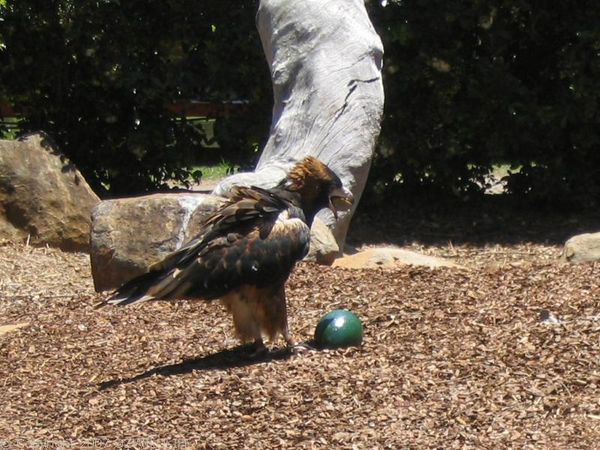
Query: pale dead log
325,59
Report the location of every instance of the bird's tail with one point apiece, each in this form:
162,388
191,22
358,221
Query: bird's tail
166,279
154,285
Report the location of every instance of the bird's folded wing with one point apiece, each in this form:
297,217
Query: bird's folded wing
245,205
255,258
255,239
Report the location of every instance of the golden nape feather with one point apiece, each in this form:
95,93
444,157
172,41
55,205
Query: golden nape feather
245,252
317,185
309,173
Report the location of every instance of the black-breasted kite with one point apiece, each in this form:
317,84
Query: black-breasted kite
245,252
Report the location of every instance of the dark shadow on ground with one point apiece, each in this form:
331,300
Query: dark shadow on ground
494,219
225,359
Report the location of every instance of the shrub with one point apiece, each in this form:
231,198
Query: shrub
97,76
470,85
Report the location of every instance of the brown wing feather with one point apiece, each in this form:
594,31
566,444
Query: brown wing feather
254,239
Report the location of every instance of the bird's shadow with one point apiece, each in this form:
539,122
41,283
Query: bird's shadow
225,359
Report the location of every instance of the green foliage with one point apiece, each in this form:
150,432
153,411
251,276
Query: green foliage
215,172
470,85
97,76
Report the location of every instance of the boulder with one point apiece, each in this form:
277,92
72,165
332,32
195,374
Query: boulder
388,257
582,248
43,197
130,234
323,246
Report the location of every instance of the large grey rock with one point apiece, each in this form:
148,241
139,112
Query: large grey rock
130,234
582,248
43,197
325,59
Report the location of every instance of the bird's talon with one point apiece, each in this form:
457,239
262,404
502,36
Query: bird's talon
256,350
298,349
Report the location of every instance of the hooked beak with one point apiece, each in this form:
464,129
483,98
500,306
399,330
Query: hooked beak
340,195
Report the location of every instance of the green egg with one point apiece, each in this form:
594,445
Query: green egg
339,328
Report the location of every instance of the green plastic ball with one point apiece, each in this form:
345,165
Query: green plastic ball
338,328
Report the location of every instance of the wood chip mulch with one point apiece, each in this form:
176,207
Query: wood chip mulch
482,357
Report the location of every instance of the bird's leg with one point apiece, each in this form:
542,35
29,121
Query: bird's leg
284,328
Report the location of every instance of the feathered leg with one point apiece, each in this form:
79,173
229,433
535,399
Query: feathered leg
281,322
246,327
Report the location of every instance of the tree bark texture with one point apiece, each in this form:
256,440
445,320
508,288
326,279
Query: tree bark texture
325,60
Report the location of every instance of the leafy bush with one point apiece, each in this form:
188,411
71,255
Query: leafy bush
98,75
470,85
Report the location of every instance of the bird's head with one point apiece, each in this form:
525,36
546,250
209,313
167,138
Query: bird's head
318,187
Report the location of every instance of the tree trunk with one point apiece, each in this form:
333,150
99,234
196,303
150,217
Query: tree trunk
325,60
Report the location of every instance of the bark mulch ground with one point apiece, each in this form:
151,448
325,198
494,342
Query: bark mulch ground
489,356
